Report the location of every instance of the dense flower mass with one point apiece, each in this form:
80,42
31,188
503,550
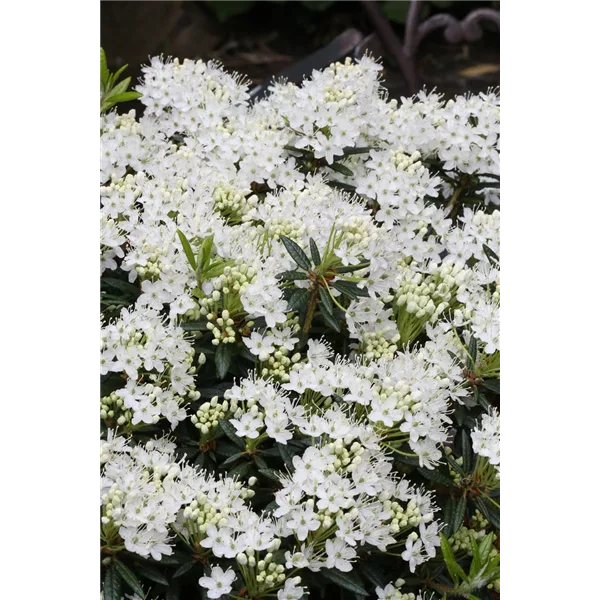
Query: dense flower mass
300,348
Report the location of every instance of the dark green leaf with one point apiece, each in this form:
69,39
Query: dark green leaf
152,573
129,577
349,581
448,511
436,476
112,584
459,514
193,326
187,248
326,300
229,430
492,385
270,474
330,319
492,256
339,185
124,97
298,299
260,462
472,351
183,569
292,275
359,150
240,470
314,252
122,286
296,253
103,69
232,459
351,268
340,168
489,512
286,456
466,450
223,357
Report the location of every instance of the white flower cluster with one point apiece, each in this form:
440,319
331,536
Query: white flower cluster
157,361
486,438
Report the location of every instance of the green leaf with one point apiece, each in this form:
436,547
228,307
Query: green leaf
286,457
260,462
187,248
183,569
206,251
120,88
103,70
193,326
122,286
351,268
129,577
292,275
152,573
453,567
349,581
240,470
330,319
296,253
359,150
300,150
436,476
314,252
326,300
298,299
339,185
466,450
476,560
492,385
492,256
229,430
488,512
485,547
223,357
124,97
472,351
216,269
270,474
232,459
459,514
340,168
116,75
350,289
112,584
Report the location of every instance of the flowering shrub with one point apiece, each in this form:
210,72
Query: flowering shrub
300,339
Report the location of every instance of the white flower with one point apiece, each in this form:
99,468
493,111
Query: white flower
219,582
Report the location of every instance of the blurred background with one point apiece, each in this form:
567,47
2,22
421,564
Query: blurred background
260,39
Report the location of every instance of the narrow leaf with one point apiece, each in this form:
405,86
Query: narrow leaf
292,275
436,477
459,514
129,577
340,168
229,430
223,357
112,584
492,256
466,450
103,69
345,580
314,252
296,253
492,385
298,299
152,573
232,459
187,248
351,268
326,300
183,569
